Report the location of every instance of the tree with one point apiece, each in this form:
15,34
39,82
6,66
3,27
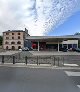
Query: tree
77,33
1,40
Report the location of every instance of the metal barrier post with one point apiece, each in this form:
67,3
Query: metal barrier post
58,61
54,60
63,61
37,60
3,59
26,60
13,59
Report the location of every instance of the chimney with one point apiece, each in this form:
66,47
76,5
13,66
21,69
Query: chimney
26,30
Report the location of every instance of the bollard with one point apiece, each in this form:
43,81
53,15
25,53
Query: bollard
26,60
37,60
63,61
54,60
13,59
58,61
3,59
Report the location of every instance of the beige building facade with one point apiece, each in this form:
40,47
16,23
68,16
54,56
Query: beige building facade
14,39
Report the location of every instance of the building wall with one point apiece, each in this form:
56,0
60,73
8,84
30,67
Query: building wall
64,42
70,42
52,42
8,38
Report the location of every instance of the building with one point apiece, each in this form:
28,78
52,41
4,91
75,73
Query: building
55,43
14,39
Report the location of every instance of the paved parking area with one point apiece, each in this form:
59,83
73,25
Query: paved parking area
35,80
9,52
53,53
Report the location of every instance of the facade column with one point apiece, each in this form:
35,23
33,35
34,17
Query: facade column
38,45
77,45
67,46
72,45
58,46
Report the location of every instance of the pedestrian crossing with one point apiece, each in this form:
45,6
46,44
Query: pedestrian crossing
71,73
78,86
75,76
70,64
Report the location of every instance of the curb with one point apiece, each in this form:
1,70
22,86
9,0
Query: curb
38,66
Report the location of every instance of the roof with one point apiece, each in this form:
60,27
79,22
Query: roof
14,31
53,38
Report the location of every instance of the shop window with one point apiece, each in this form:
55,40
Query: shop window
74,45
69,46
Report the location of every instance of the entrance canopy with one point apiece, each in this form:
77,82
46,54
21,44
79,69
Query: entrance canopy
57,39
53,38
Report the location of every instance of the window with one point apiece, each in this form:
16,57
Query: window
12,37
18,37
13,47
7,37
18,42
6,42
7,48
19,47
12,33
7,33
12,42
18,33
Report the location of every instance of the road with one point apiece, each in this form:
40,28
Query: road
24,79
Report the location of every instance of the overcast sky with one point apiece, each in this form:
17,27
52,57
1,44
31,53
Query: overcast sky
40,17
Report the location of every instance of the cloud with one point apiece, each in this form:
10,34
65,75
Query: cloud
38,16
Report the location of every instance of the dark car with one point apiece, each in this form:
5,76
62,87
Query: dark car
30,48
73,49
64,49
77,49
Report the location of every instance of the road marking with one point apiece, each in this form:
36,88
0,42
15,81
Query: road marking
78,86
71,65
69,73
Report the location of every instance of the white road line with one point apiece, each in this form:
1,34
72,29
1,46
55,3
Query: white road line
78,86
71,65
69,73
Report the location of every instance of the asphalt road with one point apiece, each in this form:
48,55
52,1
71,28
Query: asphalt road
35,80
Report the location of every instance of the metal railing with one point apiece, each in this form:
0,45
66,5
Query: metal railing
46,59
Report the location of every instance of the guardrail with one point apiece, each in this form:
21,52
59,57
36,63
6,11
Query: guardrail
46,59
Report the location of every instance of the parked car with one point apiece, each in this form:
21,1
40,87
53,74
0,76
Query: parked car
24,49
74,49
77,49
65,50
30,48
20,49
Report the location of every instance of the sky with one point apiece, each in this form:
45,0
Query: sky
69,27
40,17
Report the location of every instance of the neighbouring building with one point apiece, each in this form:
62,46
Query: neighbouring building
14,39
53,43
